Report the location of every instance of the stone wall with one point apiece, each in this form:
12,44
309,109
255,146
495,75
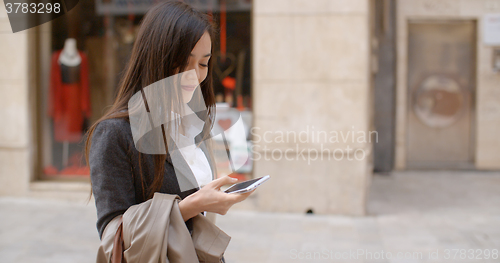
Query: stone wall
311,75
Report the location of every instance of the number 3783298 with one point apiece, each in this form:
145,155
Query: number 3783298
33,8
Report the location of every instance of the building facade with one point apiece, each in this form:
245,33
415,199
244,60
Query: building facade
336,89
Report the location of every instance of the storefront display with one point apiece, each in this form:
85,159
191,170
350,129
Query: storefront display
101,34
69,92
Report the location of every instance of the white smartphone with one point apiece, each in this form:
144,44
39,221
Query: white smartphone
246,186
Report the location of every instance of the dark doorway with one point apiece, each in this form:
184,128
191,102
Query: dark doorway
384,81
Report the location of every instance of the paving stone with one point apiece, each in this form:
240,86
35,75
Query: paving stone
408,212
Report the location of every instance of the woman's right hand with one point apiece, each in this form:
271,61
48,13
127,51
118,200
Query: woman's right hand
209,198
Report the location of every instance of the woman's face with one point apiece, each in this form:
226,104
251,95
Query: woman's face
197,68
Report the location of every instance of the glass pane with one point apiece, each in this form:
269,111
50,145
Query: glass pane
102,34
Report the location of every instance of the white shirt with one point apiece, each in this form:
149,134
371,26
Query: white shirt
194,156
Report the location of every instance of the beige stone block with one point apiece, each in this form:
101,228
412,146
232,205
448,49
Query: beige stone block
471,7
310,7
488,122
263,92
3,11
487,103
331,47
298,104
14,171
429,8
13,115
285,108
488,145
272,7
313,47
478,7
488,99
347,6
325,186
407,6
347,104
13,54
484,60
5,26
310,115
274,57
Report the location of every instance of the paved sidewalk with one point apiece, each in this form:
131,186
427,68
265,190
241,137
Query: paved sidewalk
408,212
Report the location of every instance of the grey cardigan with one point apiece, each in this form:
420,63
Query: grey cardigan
114,171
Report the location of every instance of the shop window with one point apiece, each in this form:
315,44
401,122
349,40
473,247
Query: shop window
102,33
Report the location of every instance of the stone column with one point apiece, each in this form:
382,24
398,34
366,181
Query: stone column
14,137
311,99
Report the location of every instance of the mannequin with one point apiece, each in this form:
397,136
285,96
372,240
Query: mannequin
69,95
69,60
69,55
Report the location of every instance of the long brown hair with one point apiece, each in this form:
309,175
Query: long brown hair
167,35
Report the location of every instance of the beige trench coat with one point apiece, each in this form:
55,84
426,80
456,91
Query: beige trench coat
154,231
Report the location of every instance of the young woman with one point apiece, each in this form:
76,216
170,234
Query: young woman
173,38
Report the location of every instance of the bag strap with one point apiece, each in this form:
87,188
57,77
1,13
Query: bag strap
117,255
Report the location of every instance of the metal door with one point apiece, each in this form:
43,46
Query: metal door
441,84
